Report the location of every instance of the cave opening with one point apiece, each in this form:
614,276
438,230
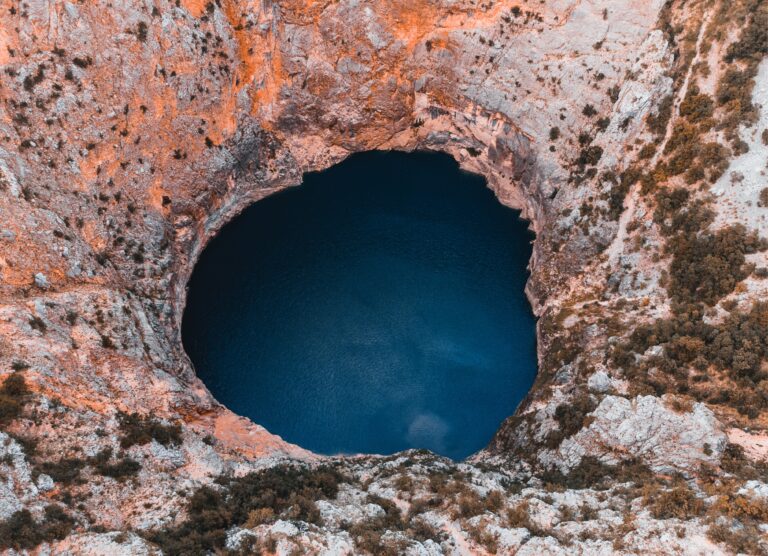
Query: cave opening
377,307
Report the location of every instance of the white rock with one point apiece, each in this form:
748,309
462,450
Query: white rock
96,544
45,483
41,281
645,427
754,489
599,382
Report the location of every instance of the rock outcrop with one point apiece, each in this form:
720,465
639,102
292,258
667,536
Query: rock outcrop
632,137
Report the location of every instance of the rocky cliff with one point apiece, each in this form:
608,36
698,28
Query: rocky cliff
633,136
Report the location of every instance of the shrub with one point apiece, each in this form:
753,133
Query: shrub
707,266
19,365
287,491
38,324
21,532
679,502
589,110
740,541
141,429
519,516
258,517
742,508
753,43
714,157
554,133
13,395
494,500
570,417
65,471
647,151
470,504
120,470
613,93
590,156
141,31
734,93
368,534
483,537
422,531
764,197
657,123
592,473
697,106
368,539
737,463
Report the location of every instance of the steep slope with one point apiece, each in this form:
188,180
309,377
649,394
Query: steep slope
632,135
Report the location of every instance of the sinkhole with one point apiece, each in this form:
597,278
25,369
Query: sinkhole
377,307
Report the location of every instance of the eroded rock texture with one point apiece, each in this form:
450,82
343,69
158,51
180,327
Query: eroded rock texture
631,134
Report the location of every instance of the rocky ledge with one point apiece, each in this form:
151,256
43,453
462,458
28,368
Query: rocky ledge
632,135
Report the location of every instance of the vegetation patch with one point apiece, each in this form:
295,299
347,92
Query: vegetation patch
707,266
119,470
287,492
139,430
679,502
592,473
571,417
22,532
13,394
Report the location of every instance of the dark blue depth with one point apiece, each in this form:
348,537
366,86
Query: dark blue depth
377,307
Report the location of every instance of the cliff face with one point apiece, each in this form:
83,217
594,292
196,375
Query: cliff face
631,136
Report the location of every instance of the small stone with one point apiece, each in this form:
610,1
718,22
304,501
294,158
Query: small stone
599,382
564,375
755,489
41,281
45,483
654,351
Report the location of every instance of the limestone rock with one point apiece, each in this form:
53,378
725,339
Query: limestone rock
599,382
644,427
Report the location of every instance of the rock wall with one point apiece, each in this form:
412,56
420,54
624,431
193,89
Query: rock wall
131,132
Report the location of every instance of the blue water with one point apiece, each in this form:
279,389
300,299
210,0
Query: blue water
377,307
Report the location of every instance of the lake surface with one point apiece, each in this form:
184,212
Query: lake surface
377,307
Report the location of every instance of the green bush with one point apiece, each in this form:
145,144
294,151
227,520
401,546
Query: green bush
737,347
734,93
